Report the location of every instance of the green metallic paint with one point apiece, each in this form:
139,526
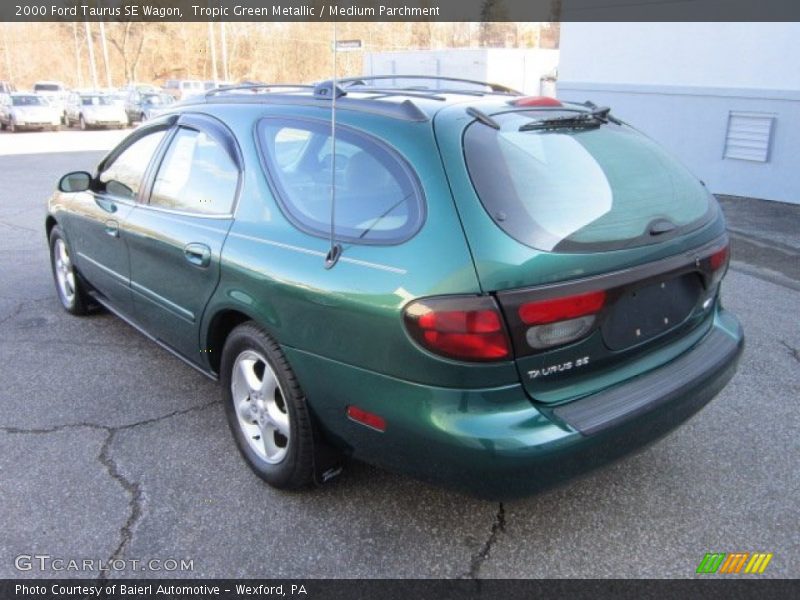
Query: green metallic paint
491,442
466,425
353,312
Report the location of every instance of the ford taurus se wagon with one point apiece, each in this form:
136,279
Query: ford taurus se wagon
485,290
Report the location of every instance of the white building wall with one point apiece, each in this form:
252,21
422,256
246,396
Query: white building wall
678,82
520,69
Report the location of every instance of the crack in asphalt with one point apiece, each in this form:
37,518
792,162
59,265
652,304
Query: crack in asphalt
794,352
18,227
134,491
132,488
15,312
498,527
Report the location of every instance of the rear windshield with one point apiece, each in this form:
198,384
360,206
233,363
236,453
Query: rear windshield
580,189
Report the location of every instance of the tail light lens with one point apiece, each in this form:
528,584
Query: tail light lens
719,264
558,321
467,328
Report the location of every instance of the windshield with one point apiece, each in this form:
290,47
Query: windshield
46,87
581,187
28,101
97,100
153,99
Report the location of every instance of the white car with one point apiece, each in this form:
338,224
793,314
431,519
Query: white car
55,92
95,110
27,111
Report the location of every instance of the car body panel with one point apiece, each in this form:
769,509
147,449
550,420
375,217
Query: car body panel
96,232
281,270
489,442
481,427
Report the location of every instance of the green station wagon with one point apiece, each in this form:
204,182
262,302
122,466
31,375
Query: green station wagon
485,290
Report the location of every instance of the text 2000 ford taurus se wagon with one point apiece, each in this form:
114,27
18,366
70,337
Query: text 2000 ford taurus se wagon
485,290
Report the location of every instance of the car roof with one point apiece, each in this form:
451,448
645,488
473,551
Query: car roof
378,95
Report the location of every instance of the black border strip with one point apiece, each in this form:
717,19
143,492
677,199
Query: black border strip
401,10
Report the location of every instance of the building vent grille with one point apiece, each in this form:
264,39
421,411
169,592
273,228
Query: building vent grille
749,136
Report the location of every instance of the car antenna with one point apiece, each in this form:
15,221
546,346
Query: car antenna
336,249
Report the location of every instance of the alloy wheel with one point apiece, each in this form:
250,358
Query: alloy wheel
260,407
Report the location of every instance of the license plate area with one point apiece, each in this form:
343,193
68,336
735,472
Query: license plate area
643,313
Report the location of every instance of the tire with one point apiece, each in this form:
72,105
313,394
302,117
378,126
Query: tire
82,123
252,365
70,288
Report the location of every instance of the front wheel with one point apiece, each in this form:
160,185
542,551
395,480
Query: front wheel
70,288
266,409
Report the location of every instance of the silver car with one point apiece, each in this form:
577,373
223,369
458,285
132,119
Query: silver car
95,110
27,111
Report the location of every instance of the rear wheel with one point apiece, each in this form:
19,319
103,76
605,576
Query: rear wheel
266,409
70,288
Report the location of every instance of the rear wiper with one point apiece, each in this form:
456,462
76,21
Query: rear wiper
596,117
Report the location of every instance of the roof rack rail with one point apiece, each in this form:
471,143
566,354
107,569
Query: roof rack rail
254,86
364,82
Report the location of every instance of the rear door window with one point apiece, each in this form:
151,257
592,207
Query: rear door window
580,189
378,197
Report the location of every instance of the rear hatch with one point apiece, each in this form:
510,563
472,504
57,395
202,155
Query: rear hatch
603,252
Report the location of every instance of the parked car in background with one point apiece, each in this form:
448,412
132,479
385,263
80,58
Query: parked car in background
141,106
509,290
27,111
94,109
210,85
6,87
55,92
180,89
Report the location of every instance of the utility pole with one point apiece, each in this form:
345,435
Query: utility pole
78,67
90,44
224,41
104,45
9,74
212,42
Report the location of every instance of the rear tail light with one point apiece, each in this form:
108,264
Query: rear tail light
718,266
467,328
558,321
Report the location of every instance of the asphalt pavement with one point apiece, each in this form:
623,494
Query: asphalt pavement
110,448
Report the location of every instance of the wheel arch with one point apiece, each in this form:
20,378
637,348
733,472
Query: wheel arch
220,325
49,223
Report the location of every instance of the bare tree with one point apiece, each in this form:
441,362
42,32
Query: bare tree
129,38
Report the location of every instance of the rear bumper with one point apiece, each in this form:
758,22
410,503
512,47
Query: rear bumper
495,443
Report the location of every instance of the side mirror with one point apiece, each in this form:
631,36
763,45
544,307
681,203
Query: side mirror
78,181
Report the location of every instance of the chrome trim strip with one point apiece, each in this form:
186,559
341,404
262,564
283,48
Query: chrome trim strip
352,261
105,268
164,302
106,304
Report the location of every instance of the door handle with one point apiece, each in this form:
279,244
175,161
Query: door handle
112,228
197,254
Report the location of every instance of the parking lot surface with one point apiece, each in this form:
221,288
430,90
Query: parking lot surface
110,448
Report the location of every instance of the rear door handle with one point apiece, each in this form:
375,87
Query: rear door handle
112,228
197,254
